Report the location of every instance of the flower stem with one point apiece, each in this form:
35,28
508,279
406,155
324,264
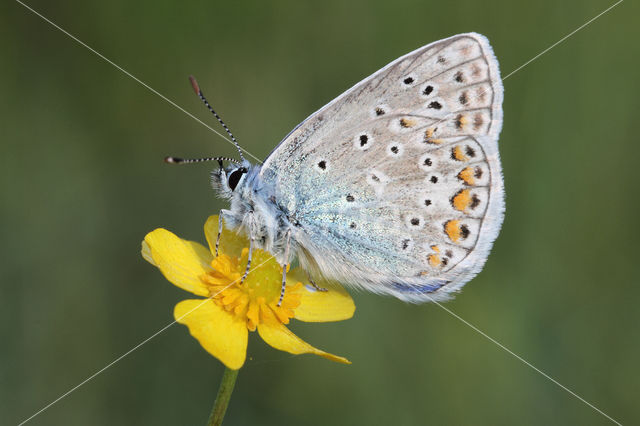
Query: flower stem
224,395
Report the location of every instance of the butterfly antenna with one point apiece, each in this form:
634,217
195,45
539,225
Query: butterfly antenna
176,160
196,88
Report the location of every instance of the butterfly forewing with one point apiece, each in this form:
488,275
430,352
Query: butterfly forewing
396,186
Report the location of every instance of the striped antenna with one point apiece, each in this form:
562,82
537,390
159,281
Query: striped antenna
176,160
196,89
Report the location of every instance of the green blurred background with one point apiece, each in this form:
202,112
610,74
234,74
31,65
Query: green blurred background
82,181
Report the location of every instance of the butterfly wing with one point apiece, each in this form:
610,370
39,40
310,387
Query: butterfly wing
395,186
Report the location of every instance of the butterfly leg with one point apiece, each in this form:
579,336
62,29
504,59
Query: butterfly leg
246,271
284,268
223,213
318,288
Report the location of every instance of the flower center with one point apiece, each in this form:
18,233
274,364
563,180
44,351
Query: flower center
255,300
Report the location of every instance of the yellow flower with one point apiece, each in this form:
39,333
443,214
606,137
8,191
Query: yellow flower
222,321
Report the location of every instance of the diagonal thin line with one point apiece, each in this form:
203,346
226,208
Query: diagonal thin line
476,329
94,375
524,361
205,300
562,39
145,85
98,372
451,114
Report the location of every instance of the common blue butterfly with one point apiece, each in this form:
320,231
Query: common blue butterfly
394,187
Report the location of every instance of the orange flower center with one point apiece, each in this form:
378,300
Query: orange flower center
255,300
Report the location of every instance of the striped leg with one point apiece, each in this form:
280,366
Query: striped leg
284,268
246,271
318,288
251,240
223,213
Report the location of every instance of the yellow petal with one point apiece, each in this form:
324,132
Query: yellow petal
181,262
231,243
281,338
321,306
220,333
253,314
146,253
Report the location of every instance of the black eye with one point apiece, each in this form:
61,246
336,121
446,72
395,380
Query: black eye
234,177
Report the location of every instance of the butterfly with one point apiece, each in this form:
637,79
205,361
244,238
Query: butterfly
394,187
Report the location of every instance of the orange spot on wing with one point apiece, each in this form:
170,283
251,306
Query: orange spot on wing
452,228
458,154
407,122
461,200
428,134
434,260
467,176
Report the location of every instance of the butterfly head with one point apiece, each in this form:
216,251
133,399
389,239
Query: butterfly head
227,180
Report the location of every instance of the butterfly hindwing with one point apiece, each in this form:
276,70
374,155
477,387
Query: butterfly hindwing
395,185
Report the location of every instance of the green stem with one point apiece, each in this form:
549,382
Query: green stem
224,395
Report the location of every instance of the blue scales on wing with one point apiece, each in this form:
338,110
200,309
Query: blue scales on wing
396,185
